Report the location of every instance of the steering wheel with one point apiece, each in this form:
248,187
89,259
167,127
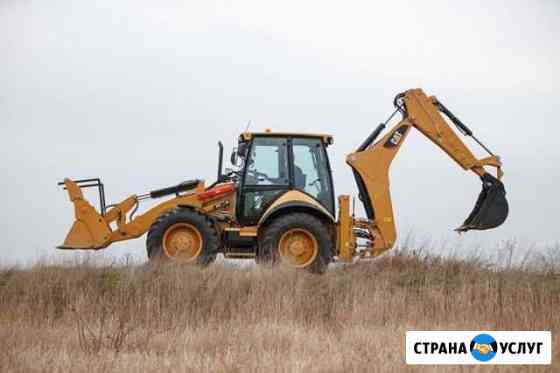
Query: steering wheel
259,176
316,185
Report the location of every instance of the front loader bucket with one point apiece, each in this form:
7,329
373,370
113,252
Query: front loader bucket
79,237
90,230
491,209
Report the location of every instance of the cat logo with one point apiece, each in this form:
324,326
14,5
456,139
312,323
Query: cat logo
397,136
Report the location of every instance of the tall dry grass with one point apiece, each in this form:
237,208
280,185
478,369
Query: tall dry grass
132,318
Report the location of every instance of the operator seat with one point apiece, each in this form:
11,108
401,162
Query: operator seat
300,179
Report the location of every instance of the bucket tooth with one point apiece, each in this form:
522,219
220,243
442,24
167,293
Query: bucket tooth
491,209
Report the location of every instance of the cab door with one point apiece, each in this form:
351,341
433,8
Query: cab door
312,172
266,176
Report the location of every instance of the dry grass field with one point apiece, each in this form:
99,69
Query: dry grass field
90,318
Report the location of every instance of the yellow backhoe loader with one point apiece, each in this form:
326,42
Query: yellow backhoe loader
278,203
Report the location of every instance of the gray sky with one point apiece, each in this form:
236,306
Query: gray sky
139,92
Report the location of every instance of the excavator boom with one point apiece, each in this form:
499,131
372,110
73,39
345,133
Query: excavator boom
372,161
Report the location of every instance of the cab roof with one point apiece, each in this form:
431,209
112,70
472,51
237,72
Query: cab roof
247,136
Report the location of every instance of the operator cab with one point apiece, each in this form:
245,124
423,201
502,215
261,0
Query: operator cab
275,163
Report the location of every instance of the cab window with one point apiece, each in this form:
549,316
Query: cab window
311,170
268,162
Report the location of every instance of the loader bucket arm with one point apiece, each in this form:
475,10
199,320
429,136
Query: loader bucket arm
372,161
93,230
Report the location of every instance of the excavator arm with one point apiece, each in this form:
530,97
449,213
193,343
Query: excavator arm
372,161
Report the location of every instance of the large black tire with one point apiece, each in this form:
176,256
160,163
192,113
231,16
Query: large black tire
189,218
269,248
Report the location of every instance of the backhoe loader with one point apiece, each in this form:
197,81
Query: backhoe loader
278,205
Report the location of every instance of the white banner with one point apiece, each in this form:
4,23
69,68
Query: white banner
478,347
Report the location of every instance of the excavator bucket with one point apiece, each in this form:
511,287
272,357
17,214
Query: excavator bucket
491,209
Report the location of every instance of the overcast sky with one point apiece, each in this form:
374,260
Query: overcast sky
139,92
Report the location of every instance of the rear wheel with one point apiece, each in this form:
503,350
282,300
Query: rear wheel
183,236
300,240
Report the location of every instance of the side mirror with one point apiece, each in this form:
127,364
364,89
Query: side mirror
234,157
242,150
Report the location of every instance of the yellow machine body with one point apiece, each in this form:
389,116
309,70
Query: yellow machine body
371,163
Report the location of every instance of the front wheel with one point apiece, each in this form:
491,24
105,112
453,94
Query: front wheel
300,240
183,236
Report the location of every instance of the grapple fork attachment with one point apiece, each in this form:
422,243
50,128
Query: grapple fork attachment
90,230
491,209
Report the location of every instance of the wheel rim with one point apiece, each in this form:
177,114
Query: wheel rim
298,247
182,242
